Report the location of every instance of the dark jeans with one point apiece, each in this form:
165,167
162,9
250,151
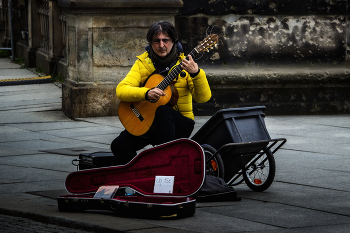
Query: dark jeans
168,125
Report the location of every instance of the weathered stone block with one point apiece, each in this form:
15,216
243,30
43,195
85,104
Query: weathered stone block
264,7
85,100
270,40
287,90
117,47
45,62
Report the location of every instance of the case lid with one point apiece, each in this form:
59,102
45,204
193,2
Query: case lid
183,159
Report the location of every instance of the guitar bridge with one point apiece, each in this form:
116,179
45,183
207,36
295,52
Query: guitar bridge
136,112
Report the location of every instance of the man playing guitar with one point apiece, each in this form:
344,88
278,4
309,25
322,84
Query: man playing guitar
162,55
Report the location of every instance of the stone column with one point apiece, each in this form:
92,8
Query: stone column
34,35
104,38
347,38
51,45
55,25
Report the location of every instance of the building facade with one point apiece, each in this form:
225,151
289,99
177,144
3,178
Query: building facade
291,56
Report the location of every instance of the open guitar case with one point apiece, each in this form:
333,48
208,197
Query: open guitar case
182,159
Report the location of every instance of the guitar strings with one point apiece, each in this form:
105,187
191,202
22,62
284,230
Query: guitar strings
169,78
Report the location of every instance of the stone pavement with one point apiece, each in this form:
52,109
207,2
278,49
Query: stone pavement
38,142
14,74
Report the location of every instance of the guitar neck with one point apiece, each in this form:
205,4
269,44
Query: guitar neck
174,73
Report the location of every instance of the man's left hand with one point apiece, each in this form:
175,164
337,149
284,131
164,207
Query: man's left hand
189,65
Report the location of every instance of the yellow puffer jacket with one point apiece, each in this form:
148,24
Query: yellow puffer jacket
131,89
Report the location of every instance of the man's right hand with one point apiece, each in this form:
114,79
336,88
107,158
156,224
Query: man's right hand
154,94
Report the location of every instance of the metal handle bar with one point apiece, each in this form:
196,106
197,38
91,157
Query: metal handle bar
250,143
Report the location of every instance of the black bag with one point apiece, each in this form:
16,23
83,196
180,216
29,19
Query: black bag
95,160
215,189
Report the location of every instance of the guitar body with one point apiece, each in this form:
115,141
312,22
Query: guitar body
139,124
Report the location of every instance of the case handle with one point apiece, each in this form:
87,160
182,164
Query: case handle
76,160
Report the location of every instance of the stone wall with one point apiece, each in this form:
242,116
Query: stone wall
266,47
267,33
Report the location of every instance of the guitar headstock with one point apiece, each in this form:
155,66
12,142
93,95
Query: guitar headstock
207,43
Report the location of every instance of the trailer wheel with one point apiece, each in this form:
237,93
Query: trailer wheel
216,166
261,173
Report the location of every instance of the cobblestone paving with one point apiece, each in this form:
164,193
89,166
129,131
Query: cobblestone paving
10,224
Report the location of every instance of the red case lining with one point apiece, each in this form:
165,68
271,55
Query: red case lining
183,158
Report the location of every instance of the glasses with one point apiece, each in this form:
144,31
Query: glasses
157,41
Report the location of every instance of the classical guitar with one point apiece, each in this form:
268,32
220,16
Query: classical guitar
137,117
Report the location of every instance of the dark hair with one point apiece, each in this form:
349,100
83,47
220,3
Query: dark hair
162,27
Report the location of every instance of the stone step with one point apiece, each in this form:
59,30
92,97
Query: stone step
283,90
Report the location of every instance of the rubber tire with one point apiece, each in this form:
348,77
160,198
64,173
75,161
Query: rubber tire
208,151
270,162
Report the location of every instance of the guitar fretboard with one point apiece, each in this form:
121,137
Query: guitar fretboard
174,73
